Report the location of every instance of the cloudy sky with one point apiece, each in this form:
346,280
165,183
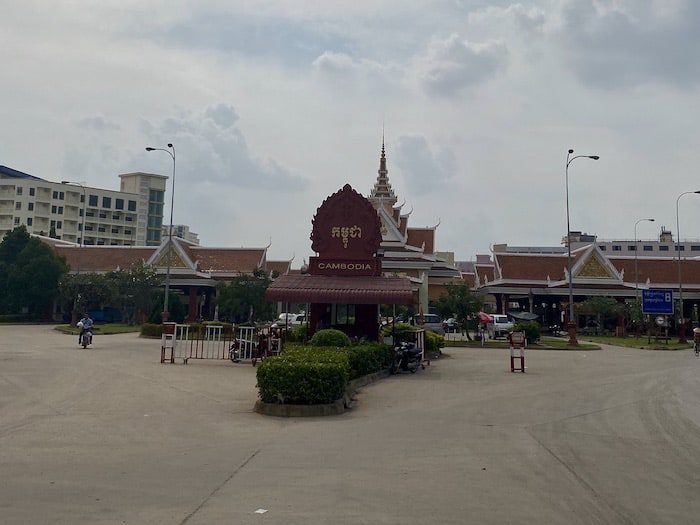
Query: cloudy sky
274,105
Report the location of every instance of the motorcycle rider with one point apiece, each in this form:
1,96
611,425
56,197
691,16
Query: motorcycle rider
85,325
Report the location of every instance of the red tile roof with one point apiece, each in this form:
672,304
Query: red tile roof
104,258
335,289
281,267
418,236
227,260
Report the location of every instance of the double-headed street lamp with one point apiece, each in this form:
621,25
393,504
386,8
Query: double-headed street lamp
636,249
681,331
165,313
571,324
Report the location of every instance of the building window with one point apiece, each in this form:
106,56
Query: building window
119,204
156,196
89,213
103,215
92,201
128,219
55,194
60,210
679,247
100,242
88,227
16,221
82,198
663,248
106,202
18,205
127,232
344,314
61,196
115,217
616,248
101,229
695,248
54,209
53,224
31,192
115,230
59,225
132,205
19,190
30,206
631,248
648,248
603,248
30,221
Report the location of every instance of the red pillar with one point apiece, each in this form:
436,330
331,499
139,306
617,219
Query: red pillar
193,303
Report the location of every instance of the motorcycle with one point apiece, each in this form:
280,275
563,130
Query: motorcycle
406,358
86,338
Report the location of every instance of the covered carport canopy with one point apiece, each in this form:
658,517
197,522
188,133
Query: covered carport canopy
304,288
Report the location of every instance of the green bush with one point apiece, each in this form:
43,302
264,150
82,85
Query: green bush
304,376
151,330
433,341
531,329
367,358
330,337
297,334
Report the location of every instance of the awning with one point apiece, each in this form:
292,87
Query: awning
524,316
340,290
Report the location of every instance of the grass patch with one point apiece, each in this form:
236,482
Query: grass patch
642,343
102,328
545,343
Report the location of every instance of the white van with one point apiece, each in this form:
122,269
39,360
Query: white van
500,326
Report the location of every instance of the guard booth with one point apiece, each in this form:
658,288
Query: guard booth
518,342
344,285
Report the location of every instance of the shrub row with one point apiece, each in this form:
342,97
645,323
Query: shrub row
15,318
309,375
196,329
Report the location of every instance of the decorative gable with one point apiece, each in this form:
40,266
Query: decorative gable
169,257
594,265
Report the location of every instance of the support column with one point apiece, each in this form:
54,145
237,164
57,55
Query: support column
423,293
193,304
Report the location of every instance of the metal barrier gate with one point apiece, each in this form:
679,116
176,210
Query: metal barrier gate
216,342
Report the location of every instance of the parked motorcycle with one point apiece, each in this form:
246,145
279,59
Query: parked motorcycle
406,358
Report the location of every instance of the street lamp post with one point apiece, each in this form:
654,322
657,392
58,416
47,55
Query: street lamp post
636,249
571,324
165,313
681,328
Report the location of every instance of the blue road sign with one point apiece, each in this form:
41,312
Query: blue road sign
657,301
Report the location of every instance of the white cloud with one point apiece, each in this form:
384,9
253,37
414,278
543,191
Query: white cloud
454,64
425,169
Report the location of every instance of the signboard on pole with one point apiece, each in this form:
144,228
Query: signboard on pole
657,301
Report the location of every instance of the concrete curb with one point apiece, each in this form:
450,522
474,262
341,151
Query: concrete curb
329,409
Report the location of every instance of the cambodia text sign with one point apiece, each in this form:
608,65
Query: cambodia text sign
658,301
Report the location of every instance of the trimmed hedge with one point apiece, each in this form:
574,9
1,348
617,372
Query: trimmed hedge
308,375
151,330
330,337
531,329
433,341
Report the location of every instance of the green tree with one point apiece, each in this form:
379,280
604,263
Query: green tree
85,291
176,309
602,308
29,275
134,291
243,299
460,302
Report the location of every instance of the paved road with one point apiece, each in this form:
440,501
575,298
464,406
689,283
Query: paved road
108,435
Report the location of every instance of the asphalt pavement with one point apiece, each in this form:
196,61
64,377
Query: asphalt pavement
110,435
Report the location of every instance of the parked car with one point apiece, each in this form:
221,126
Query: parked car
450,325
429,322
289,320
499,326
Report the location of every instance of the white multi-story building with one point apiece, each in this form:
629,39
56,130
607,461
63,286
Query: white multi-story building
182,231
78,213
